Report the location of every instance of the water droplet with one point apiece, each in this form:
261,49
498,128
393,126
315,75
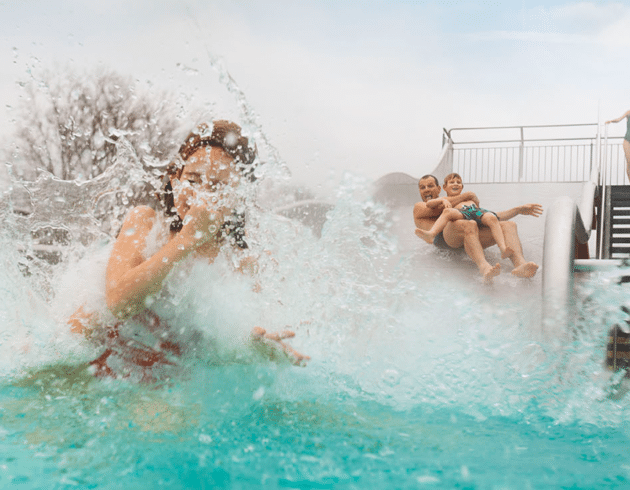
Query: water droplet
259,393
205,439
428,479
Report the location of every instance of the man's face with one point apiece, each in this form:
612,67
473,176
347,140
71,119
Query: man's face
428,189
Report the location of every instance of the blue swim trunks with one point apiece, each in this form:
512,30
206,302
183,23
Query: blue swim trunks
474,213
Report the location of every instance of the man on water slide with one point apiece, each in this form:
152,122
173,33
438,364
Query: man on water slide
467,234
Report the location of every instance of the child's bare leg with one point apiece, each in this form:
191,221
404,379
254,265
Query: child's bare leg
492,222
426,235
448,215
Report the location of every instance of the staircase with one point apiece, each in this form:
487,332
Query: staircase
616,243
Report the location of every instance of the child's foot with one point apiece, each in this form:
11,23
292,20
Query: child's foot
490,272
425,235
525,270
506,253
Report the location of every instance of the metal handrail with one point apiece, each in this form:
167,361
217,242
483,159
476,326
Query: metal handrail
521,128
523,140
530,126
601,180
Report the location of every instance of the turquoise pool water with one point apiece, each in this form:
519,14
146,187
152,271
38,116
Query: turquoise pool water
100,440
209,433
420,377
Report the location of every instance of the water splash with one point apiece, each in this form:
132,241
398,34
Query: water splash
378,325
276,168
412,367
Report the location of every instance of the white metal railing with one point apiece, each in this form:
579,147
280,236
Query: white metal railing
527,154
615,163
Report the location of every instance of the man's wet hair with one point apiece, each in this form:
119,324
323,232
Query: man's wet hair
427,176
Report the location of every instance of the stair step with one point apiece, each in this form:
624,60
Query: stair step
619,221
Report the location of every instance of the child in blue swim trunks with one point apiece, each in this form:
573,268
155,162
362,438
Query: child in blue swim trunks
465,210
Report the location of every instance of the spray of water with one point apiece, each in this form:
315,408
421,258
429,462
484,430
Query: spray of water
377,325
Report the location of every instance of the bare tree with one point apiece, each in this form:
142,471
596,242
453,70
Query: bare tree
67,123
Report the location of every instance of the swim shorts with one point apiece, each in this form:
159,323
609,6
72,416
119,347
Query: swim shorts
439,242
474,213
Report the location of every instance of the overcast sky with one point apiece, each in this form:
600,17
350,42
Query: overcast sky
365,86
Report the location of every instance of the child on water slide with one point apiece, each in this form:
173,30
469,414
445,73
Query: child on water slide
465,210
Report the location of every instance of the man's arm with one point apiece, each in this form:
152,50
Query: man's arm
434,207
526,209
439,203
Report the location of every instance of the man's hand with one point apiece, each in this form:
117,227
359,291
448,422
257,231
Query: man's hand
531,210
470,196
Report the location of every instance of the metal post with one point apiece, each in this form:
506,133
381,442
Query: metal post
602,182
520,156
